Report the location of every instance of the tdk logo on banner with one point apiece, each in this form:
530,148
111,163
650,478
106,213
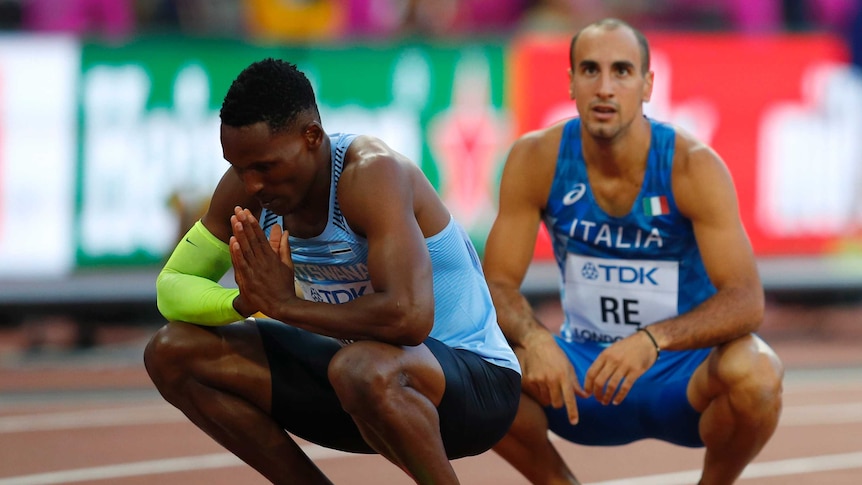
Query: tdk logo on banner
619,274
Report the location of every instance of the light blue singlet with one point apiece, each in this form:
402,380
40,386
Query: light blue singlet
332,267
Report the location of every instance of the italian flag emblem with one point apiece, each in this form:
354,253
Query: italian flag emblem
656,206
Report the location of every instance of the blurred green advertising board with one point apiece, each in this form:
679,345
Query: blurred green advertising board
148,134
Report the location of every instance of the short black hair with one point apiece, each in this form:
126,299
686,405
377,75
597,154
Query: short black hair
270,90
610,24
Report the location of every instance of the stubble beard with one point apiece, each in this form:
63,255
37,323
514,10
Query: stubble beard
602,132
608,132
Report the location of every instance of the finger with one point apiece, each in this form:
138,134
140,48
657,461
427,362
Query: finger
238,261
237,219
599,385
572,408
626,386
252,228
275,238
255,238
579,391
569,398
611,386
251,221
284,250
607,385
590,377
235,251
240,235
557,394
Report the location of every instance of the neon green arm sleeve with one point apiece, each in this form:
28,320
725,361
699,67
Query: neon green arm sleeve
187,288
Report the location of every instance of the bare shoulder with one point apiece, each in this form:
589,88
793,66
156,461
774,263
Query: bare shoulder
530,167
538,147
381,185
691,153
700,176
534,154
368,146
368,158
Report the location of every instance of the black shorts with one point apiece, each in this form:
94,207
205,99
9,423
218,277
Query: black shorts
477,408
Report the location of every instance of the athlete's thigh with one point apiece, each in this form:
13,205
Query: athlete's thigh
229,357
303,399
480,400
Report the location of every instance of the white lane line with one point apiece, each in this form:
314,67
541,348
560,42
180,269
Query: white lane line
807,415
795,466
172,465
90,419
153,467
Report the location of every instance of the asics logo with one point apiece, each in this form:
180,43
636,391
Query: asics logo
575,194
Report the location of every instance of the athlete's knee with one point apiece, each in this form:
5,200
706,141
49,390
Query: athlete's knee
360,378
753,374
168,352
764,386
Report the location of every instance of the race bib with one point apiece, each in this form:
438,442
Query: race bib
609,299
335,292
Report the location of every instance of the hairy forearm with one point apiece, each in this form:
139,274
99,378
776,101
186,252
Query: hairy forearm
728,314
514,314
374,316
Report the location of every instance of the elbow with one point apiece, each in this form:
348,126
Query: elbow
412,324
163,298
756,318
167,300
167,307
756,310
165,310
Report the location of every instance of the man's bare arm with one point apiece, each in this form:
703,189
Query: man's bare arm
705,193
548,376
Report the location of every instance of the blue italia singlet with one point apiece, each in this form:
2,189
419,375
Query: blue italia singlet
333,268
621,273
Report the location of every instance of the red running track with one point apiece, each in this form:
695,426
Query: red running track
97,420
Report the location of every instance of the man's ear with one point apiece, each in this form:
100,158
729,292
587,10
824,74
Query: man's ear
648,78
313,134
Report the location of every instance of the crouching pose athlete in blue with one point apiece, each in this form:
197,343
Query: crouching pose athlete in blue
393,346
660,291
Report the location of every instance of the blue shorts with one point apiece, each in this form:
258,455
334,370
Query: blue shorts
656,406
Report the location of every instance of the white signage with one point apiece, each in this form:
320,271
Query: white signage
38,77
